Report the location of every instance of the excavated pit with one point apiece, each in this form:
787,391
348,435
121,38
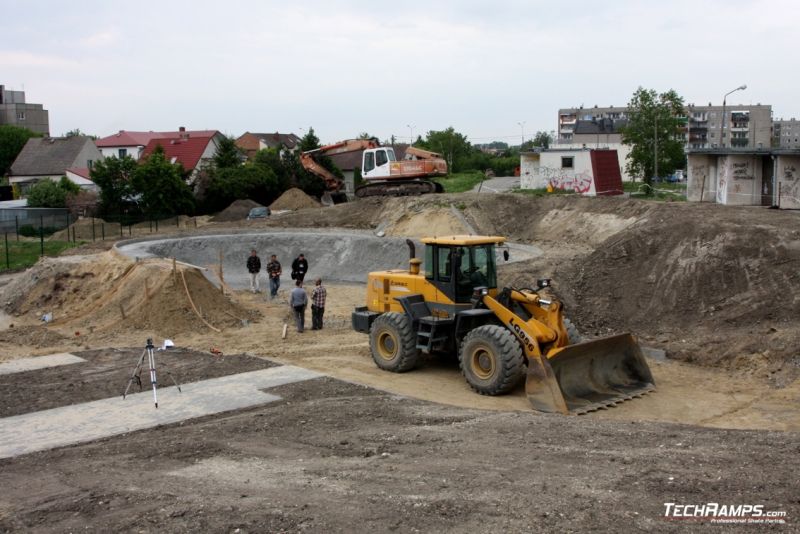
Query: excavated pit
339,257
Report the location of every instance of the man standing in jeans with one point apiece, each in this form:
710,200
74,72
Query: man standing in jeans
254,267
274,275
318,304
298,300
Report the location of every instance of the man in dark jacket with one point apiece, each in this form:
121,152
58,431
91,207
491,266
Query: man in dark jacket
298,300
299,268
254,267
274,274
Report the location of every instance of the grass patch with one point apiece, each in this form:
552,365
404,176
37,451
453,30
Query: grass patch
459,182
23,254
665,191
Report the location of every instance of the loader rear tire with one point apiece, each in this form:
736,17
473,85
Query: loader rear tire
393,343
491,360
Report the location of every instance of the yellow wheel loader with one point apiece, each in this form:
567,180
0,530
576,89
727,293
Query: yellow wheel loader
454,306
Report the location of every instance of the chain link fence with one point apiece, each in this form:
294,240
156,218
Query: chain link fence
30,233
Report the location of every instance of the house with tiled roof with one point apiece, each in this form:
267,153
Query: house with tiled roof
251,143
192,150
48,158
130,143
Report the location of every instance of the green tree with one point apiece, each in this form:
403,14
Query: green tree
542,139
251,181
228,154
310,141
161,187
47,194
70,187
653,129
453,146
12,139
114,177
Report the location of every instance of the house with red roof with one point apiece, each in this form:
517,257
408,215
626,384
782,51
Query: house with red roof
128,143
251,143
192,150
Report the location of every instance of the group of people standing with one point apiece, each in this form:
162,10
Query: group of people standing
298,298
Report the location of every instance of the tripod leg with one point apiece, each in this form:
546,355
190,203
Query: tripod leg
152,357
135,375
166,369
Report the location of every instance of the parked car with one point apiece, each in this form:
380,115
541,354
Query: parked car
258,213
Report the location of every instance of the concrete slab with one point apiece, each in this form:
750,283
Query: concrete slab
38,362
81,423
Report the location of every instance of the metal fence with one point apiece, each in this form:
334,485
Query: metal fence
30,233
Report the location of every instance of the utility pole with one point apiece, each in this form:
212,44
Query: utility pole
722,124
522,130
411,133
655,146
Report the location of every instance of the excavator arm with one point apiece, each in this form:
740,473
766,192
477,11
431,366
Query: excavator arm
332,182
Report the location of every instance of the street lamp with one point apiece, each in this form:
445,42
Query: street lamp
522,131
411,133
722,124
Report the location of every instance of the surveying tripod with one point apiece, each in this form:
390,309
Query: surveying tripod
149,350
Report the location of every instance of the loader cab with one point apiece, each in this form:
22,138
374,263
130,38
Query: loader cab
457,265
375,162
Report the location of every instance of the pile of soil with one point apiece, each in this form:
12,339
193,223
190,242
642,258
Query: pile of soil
111,294
237,211
294,199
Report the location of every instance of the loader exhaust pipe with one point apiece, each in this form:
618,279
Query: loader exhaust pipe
412,250
413,262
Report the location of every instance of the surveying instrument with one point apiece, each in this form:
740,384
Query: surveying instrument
149,350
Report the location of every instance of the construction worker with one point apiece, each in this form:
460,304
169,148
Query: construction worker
254,267
298,300
274,275
318,297
299,268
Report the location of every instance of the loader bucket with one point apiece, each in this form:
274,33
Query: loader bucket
588,376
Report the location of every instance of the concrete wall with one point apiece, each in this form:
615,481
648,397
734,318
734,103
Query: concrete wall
88,153
788,181
739,180
537,174
622,151
701,180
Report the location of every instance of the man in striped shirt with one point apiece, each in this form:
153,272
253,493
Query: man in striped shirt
318,304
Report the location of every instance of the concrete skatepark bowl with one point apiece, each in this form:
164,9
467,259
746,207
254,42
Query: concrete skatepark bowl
345,257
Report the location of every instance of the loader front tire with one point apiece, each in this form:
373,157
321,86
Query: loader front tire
393,343
573,335
491,360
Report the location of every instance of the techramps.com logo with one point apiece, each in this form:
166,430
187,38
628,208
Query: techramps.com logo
716,513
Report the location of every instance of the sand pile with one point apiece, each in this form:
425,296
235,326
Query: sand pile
237,211
113,294
294,199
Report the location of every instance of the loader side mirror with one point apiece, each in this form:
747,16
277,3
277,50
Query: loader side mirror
505,254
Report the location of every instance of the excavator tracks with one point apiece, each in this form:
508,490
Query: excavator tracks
399,188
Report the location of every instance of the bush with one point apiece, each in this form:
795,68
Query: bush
47,194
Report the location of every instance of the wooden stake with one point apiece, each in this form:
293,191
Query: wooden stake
122,311
221,277
285,329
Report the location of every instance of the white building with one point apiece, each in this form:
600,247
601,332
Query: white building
585,171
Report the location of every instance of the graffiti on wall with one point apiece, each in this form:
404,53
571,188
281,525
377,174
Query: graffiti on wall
557,178
722,180
741,171
790,184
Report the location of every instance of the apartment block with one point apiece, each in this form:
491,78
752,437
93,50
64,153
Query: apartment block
744,126
786,133
15,111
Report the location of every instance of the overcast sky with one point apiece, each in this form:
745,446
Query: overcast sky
351,66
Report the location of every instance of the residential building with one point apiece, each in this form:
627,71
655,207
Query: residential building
251,143
193,150
15,111
745,177
786,133
130,143
586,171
49,158
745,126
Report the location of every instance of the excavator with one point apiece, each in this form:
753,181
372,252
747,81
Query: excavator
499,335
384,174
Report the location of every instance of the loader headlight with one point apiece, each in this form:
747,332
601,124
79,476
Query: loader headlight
541,283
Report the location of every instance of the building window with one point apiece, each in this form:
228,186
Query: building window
89,163
123,152
20,115
567,162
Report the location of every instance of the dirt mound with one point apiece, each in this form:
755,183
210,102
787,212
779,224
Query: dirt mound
112,294
32,336
294,199
237,211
